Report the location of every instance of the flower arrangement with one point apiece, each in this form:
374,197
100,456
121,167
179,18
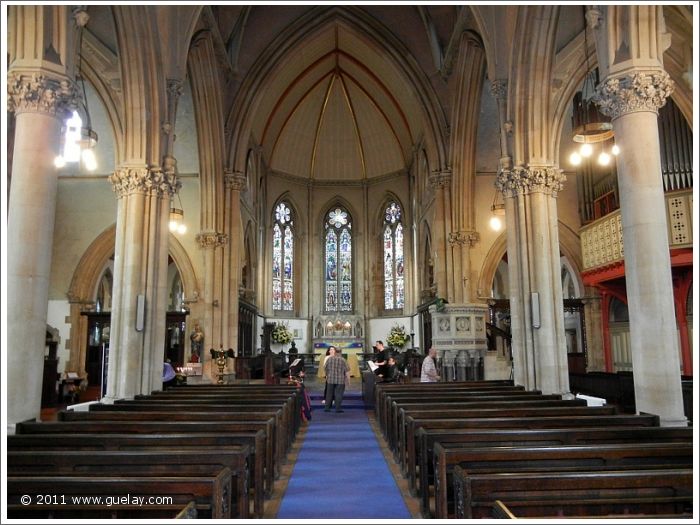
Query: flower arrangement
281,334
398,336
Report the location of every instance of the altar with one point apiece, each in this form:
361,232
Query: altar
352,360
343,332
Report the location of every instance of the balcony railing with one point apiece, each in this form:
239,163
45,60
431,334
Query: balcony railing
601,240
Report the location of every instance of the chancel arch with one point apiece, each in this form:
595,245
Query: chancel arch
349,41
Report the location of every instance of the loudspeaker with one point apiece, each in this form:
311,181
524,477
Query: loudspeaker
535,306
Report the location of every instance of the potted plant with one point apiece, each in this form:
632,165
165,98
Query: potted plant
281,334
398,336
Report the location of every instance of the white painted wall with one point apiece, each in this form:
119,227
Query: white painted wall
379,329
300,327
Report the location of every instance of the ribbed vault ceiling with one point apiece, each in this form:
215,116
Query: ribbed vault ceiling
336,109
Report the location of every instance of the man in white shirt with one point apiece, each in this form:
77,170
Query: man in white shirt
428,372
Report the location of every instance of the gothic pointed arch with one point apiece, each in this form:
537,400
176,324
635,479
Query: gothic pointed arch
85,281
206,84
490,265
427,276
338,257
391,224
285,253
250,109
532,65
569,246
248,274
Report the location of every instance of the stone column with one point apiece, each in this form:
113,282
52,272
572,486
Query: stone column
234,252
632,99
594,330
210,242
440,181
469,73
139,300
537,307
40,101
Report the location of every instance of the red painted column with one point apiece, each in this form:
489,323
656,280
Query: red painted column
680,292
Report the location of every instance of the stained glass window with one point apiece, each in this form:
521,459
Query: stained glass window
283,259
338,261
393,258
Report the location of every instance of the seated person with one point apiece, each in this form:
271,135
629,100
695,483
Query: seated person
391,372
169,375
70,392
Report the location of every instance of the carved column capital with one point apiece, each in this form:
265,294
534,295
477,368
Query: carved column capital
210,239
235,180
34,92
440,179
154,181
81,16
594,17
499,89
465,237
520,180
639,91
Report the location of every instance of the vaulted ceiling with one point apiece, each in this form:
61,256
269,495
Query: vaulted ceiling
339,110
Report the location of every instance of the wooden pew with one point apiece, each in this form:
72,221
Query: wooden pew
502,402
285,436
211,493
403,434
392,404
128,442
427,437
150,463
585,508
187,513
396,390
386,394
523,423
476,494
158,427
551,458
90,513
290,404
276,428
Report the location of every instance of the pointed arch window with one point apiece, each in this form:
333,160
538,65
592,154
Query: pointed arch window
338,261
393,257
283,259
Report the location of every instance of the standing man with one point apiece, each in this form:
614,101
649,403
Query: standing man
380,358
428,372
337,372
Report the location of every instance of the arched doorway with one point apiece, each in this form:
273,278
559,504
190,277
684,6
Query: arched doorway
90,295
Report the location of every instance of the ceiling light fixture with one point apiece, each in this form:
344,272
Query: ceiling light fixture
589,125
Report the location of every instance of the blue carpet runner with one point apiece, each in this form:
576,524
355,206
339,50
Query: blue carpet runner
340,472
